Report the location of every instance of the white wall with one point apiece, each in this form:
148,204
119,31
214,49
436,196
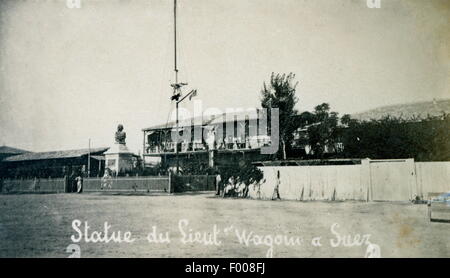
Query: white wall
378,180
432,177
303,183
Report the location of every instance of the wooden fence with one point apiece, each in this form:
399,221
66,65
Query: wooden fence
372,180
147,184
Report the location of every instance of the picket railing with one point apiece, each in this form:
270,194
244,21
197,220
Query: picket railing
147,184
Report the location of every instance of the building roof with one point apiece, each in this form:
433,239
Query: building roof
184,122
10,150
206,120
54,155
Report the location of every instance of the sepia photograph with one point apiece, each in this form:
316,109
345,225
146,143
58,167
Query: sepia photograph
246,129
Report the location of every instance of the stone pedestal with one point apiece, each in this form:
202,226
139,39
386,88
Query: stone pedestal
119,159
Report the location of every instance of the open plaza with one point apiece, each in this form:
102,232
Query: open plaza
203,225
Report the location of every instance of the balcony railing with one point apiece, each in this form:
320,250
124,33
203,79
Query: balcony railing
169,147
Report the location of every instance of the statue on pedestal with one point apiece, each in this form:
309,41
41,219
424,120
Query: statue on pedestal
120,135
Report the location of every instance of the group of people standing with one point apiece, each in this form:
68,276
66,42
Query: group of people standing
73,181
230,188
239,190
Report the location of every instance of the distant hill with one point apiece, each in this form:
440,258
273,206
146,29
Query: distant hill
406,111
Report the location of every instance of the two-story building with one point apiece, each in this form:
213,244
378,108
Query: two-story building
215,140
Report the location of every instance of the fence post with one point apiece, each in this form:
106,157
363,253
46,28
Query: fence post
413,190
170,182
366,179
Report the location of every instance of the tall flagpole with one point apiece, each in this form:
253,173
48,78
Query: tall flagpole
175,39
176,77
177,86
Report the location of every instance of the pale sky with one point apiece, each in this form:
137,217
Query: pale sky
67,75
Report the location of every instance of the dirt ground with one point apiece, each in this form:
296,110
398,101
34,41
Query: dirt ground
40,225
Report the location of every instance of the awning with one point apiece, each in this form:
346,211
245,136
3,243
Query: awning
98,157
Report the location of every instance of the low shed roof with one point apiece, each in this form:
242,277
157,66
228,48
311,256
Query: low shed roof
54,155
10,150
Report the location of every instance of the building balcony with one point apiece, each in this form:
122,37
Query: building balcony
154,149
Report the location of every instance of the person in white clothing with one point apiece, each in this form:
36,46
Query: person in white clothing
218,181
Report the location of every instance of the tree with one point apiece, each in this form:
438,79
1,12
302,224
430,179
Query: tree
346,120
325,130
280,93
390,137
305,118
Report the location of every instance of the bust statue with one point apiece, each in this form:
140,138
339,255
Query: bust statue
120,135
